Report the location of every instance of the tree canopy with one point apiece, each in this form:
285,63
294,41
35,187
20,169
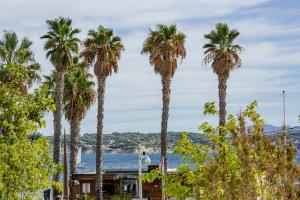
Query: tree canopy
103,49
25,163
61,42
79,94
221,50
17,62
164,46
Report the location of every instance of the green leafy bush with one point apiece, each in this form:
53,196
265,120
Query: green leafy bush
244,163
25,162
82,197
121,197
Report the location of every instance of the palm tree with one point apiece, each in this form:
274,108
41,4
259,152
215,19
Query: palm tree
60,44
164,47
224,56
103,50
17,62
79,96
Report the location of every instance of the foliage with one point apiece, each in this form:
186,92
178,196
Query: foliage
25,162
82,197
61,42
121,197
79,94
50,83
221,51
25,168
17,62
102,49
209,108
22,115
247,166
164,46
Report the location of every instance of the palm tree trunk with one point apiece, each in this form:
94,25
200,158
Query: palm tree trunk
59,90
222,122
100,117
166,83
75,128
222,99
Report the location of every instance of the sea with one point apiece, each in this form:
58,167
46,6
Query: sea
123,162
128,161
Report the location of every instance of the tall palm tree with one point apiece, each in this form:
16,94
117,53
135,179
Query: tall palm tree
79,96
103,50
61,43
165,46
224,56
17,62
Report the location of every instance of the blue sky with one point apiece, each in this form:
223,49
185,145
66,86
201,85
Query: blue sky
270,31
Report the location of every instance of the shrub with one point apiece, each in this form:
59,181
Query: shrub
240,163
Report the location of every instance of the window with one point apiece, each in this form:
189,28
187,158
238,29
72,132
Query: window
86,188
108,189
129,187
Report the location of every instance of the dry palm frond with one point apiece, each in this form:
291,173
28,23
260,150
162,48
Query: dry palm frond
103,50
164,46
79,92
61,43
220,51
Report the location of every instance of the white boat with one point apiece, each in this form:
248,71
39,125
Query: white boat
78,160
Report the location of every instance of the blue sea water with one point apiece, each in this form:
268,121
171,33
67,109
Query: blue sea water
123,161
127,161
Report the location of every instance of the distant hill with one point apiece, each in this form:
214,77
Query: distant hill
271,128
126,142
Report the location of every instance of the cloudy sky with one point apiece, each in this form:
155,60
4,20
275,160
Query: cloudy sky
270,34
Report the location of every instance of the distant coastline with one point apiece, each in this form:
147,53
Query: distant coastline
119,143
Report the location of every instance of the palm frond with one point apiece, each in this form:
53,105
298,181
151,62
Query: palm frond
103,50
164,46
61,42
17,61
220,50
79,94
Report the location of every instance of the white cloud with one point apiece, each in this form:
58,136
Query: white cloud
271,54
116,13
133,96
261,27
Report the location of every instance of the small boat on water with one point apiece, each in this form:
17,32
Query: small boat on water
79,162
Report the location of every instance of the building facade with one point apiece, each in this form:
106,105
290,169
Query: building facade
115,182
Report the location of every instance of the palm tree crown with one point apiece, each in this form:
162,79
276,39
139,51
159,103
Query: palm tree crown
102,49
221,51
79,94
164,46
17,61
61,42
